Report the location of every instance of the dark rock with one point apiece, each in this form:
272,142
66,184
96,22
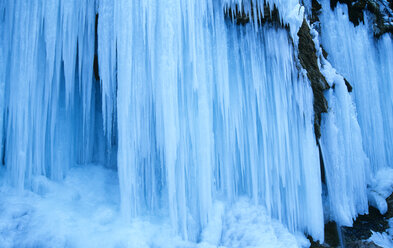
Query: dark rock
321,163
95,63
317,244
331,234
355,9
357,235
380,12
315,11
389,213
362,244
331,237
363,225
309,61
349,86
237,13
324,53
357,244
95,68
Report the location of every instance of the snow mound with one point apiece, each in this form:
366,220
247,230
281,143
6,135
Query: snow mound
381,187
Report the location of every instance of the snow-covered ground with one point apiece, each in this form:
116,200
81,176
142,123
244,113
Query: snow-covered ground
83,211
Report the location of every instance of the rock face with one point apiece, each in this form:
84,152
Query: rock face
309,61
381,10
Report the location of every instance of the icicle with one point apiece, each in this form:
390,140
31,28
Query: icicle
42,98
343,154
385,79
107,63
2,79
366,64
203,110
353,52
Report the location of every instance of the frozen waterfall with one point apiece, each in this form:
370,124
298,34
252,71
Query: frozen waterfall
202,121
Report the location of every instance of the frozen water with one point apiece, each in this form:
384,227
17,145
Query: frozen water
212,112
343,155
197,108
367,64
207,126
49,92
356,142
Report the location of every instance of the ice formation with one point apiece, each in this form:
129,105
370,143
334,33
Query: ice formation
208,125
367,64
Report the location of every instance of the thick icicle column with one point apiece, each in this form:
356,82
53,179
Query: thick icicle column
208,109
49,91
